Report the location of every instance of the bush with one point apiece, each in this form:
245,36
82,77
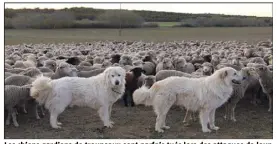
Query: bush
225,22
150,25
8,23
58,19
123,18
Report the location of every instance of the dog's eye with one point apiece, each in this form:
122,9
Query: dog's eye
112,75
119,75
235,73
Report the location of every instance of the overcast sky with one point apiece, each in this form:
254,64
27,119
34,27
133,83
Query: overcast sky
249,9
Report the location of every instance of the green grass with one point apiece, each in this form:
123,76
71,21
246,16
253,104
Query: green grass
167,24
250,34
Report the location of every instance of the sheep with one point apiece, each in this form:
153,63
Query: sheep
7,74
51,64
18,80
91,73
86,68
125,60
85,63
41,61
266,82
13,96
19,64
64,69
8,66
168,73
239,91
131,85
166,64
15,70
45,70
149,81
106,64
258,60
115,58
207,69
31,72
149,68
73,61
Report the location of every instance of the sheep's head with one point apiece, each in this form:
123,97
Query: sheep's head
207,68
51,64
125,60
167,64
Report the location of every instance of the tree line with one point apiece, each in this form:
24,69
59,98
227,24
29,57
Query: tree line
80,17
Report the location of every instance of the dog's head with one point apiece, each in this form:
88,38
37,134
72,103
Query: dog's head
229,75
137,71
115,76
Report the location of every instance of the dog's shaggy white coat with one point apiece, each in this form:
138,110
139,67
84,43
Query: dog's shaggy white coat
97,92
204,94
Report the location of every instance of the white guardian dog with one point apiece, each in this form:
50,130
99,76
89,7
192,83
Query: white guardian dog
204,94
98,92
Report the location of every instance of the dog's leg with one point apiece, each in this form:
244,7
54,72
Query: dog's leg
204,118
42,110
36,111
104,116
185,118
24,108
269,102
53,120
110,113
233,113
158,124
212,120
8,118
226,111
15,123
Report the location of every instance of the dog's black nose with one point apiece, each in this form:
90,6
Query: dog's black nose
116,82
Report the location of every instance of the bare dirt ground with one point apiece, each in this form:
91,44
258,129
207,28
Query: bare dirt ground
253,122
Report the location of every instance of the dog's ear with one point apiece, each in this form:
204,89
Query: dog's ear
223,74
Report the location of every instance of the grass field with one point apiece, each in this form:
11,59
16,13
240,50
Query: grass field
249,34
167,24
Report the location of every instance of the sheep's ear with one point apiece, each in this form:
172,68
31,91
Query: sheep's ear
223,74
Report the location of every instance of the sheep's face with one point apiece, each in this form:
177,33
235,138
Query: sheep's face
235,61
167,64
207,69
125,61
261,69
247,72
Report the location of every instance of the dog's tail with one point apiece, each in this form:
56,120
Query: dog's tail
143,96
41,88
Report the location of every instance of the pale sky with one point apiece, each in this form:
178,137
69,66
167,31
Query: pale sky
249,9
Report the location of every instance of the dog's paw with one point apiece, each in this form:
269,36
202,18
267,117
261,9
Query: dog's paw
166,127
59,123
234,120
16,124
112,122
37,117
206,130
269,110
56,127
215,128
110,125
159,130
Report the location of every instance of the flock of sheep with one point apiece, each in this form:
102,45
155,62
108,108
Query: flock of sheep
145,64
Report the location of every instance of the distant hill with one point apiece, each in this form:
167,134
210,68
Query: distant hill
184,19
